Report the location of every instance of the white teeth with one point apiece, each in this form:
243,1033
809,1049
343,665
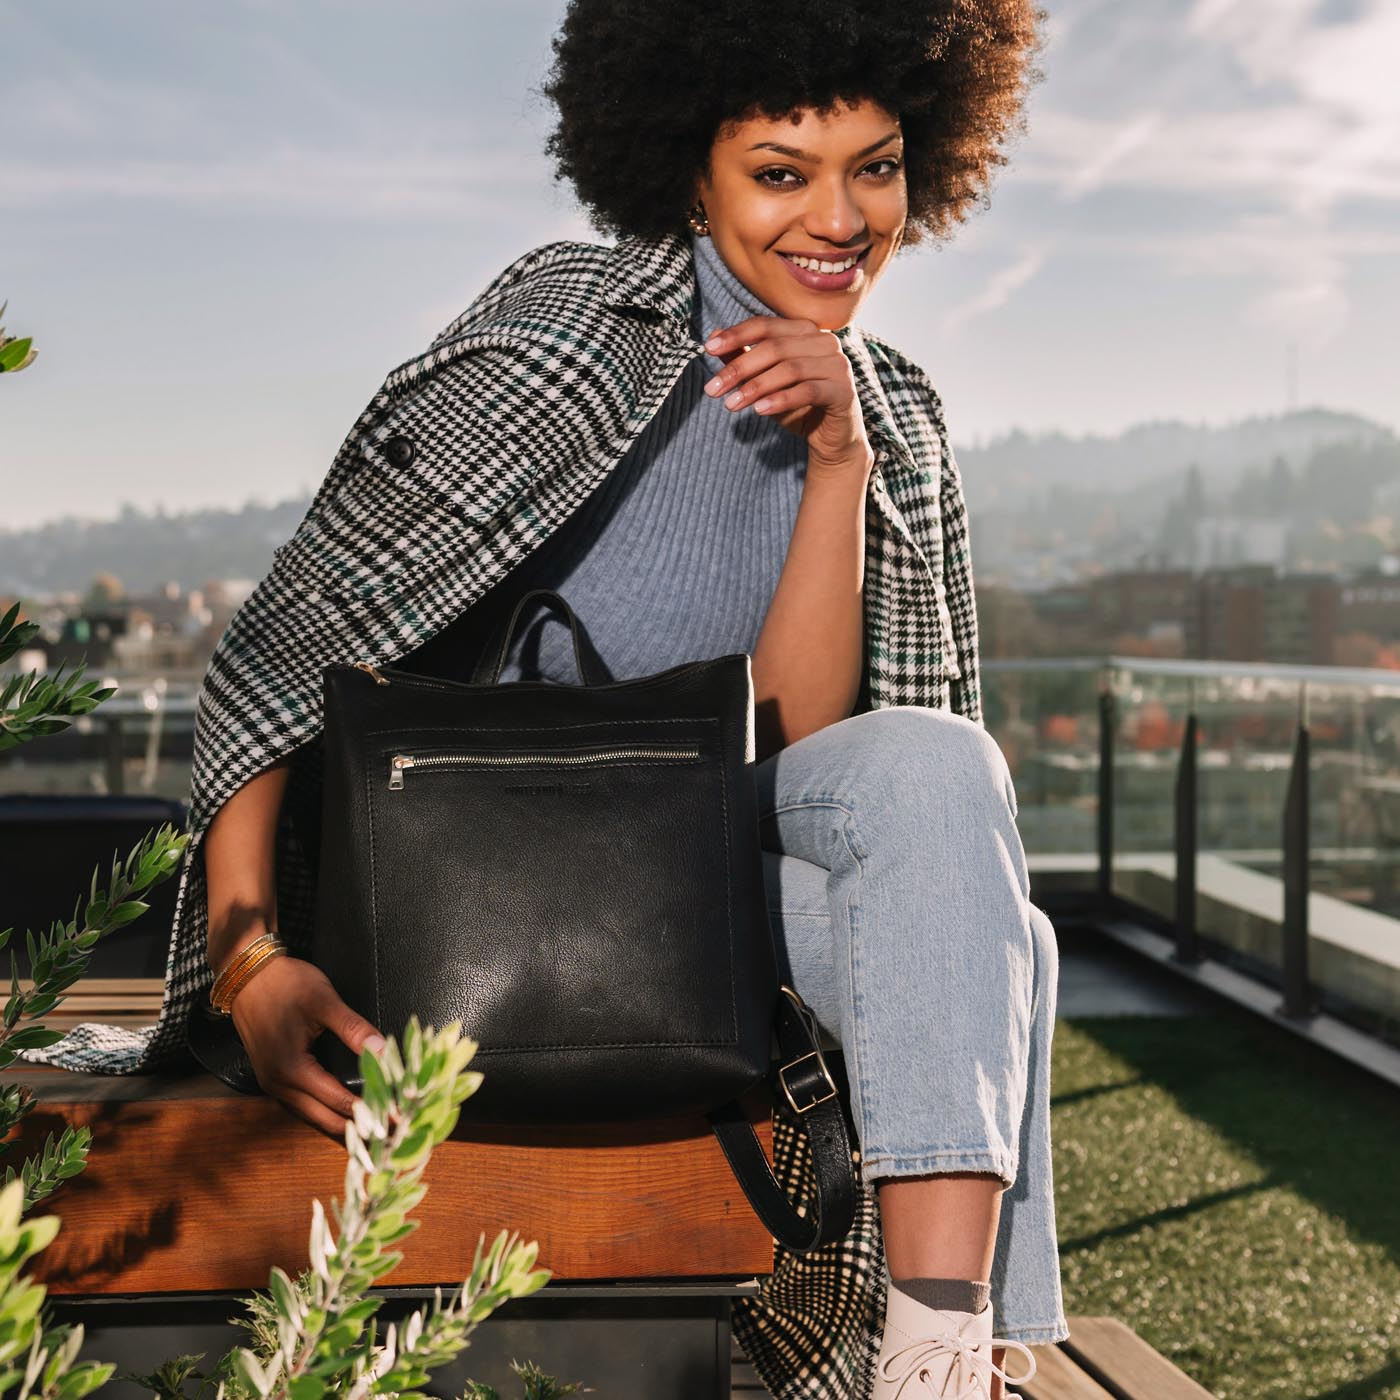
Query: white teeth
814,265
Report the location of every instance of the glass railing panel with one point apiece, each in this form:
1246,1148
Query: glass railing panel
1249,716
1354,798
1354,838
1150,718
134,743
1044,715
1248,724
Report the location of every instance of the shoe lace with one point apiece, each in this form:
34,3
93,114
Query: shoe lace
909,1363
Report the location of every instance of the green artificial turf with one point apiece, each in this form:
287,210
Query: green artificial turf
1233,1195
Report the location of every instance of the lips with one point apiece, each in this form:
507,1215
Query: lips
852,277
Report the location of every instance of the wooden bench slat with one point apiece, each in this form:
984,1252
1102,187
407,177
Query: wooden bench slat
193,1186
116,988
1113,1352
1057,1377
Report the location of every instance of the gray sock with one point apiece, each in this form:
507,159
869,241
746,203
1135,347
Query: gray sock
947,1294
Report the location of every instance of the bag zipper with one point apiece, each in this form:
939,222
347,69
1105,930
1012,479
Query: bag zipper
466,758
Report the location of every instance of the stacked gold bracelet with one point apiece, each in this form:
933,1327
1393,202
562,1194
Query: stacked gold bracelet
245,963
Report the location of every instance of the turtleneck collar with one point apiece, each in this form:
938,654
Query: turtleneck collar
722,299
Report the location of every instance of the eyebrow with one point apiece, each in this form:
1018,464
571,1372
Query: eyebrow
817,160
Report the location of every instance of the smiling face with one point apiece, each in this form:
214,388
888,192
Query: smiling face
782,194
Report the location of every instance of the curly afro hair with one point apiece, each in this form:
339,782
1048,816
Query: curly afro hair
644,87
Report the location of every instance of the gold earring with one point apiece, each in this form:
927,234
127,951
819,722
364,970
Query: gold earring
702,224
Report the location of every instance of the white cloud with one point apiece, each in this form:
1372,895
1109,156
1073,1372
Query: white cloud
1110,155
291,180
1341,74
995,292
1266,115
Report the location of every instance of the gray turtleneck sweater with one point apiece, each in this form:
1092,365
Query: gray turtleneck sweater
676,556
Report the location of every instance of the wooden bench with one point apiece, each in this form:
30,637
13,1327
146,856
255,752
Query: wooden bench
193,1191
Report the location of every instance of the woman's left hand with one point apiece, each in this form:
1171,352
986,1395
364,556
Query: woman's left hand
797,373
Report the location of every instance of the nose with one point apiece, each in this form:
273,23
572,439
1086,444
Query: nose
833,214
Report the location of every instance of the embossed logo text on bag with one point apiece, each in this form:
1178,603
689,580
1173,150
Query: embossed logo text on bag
546,789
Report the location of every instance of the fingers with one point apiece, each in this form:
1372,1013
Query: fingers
308,1075
802,382
313,1093
745,358
313,1111
346,1023
754,329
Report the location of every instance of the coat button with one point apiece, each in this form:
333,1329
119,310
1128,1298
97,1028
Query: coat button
400,450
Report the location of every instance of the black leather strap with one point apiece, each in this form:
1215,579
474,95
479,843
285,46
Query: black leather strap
804,1091
591,668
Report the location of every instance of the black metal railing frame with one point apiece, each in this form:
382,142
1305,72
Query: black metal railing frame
1300,1001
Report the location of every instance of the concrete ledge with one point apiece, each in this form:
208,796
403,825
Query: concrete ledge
1360,1049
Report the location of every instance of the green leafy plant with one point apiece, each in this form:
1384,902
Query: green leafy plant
315,1336
14,354
30,707
310,1337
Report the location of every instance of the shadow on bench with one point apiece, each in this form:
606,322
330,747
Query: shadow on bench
193,1191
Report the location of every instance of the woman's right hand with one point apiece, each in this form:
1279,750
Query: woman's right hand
279,1013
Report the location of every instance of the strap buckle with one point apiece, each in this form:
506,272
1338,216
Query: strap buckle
815,1053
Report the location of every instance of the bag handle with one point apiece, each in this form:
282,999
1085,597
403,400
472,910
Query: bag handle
804,1089
591,670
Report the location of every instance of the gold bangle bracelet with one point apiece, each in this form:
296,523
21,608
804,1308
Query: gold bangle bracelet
242,966
224,1005
244,953
249,967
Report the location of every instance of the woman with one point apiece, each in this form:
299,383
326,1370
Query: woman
749,472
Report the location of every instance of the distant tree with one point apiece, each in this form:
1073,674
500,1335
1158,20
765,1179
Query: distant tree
1194,497
1340,480
103,592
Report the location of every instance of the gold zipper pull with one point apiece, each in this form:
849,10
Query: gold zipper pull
365,666
397,764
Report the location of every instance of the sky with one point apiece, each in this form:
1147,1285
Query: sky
224,223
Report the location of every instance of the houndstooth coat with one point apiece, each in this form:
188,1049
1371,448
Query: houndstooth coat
467,457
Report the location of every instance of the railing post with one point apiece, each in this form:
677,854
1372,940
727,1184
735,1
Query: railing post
1106,726
1188,948
1298,1002
115,777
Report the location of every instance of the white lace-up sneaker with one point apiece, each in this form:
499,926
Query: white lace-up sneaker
928,1354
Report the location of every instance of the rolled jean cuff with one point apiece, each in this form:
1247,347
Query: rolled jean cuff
1041,1334
950,1159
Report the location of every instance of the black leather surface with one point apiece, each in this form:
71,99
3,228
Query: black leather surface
599,927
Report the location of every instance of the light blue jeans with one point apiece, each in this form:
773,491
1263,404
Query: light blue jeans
901,910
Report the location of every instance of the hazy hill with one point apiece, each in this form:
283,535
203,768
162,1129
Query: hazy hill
1010,467
1311,489
144,549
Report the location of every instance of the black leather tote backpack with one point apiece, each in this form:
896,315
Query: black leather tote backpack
574,873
